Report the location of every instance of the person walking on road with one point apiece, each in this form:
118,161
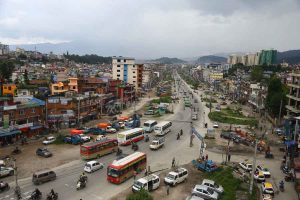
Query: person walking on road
168,189
134,174
206,157
173,162
229,156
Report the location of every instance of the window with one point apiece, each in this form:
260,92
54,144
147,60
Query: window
21,112
9,88
124,60
118,75
74,87
133,81
134,76
118,60
118,70
33,110
133,72
118,66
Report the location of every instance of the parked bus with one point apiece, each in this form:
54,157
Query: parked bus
121,170
132,135
97,149
162,128
149,126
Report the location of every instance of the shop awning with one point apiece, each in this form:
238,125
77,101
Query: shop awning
4,133
35,127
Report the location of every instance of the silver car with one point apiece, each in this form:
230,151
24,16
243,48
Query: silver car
205,192
212,185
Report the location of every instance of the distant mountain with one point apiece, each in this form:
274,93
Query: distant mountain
211,59
291,57
166,60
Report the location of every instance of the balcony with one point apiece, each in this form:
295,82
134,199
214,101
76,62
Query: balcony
293,97
293,85
292,109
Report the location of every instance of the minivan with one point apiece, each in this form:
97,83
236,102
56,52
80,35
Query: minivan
43,176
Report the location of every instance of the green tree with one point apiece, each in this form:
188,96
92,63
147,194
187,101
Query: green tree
257,74
6,69
26,79
140,195
276,93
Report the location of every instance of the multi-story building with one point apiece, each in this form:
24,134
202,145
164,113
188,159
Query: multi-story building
9,89
125,69
62,87
4,49
234,59
88,84
268,57
293,104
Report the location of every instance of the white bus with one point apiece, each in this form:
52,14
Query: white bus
149,126
132,135
162,128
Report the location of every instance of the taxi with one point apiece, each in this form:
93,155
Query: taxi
267,188
259,176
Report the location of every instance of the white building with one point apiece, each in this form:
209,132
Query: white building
4,49
125,69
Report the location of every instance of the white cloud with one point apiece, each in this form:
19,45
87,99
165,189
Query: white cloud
28,40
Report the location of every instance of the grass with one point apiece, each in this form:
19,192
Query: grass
230,116
224,177
166,99
59,139
231,185
208,100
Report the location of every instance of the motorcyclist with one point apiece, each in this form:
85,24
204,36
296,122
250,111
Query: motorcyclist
37,193
178,136
82,177
181,132
281,185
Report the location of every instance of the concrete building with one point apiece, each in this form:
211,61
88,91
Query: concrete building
293,104
235,59
268,57
4,49
62,87
125,69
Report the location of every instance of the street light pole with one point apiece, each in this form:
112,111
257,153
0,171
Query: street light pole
253,168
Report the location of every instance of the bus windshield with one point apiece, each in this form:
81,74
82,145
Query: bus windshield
112,172
157,128
146,124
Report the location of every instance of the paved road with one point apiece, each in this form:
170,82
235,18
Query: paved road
99,188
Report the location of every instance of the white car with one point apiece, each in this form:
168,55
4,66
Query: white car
259,176
109,129
85,138
212,185
122,125
193,197
92,166
246,166
215,125
6,171
49,140
205,192
177,176
265,171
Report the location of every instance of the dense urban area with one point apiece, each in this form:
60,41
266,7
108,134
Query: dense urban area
117,128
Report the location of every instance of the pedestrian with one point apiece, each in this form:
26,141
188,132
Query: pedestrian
203,158
229,156
168,189
134,175
146,172
206,157
173,162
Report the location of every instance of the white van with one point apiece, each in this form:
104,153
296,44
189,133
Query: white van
162,128
157,143
92,166
177,176
148,183
149,126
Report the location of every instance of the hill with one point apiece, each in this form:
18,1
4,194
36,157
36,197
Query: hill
166,60
291,57
211,59
89,59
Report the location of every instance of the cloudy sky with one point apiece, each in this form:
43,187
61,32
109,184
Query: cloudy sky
153,28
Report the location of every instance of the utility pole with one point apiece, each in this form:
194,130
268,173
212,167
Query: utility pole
17,188
191,136
296,129
279,116
253,168
78,113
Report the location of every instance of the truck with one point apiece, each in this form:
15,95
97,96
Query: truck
205,165
73,139
134,123
147,183
157,143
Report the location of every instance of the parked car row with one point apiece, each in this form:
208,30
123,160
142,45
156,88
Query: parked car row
236,138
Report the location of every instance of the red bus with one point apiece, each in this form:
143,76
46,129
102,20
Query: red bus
121,170
99,148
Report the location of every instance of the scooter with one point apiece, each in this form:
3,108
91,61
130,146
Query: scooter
281,186
35,195
81,184
146,138
52,196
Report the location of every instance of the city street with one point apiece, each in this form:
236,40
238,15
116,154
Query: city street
99,188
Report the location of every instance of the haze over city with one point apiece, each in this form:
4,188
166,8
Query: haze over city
150,29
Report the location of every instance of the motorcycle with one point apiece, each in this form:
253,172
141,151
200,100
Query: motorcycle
281,186
4,187
52,196
35,195
146,138
81,184
16,151
134,147
285,169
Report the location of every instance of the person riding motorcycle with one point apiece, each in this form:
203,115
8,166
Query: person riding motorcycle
37,192
82,177
178,136
281,185
181,132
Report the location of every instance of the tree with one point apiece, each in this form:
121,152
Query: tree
276,93
140,195
26,79
257,74
6,69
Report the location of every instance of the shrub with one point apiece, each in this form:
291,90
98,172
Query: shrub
140,195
